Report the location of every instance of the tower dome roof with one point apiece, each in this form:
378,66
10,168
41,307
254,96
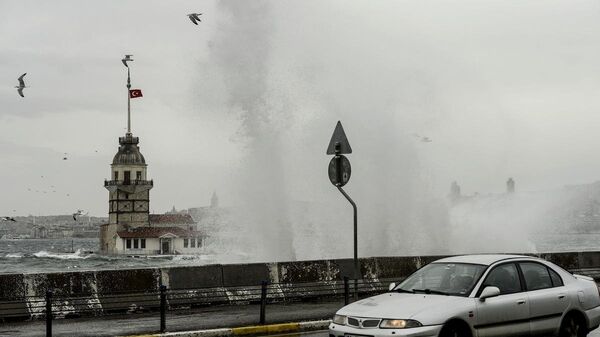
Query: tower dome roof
129,152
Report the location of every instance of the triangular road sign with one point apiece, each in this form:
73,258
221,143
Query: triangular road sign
339,136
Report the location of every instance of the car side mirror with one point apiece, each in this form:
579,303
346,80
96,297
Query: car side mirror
488,292
392,286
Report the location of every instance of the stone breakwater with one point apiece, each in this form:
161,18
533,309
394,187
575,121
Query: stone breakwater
22,296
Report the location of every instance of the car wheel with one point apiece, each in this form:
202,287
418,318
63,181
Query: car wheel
572,326
454,330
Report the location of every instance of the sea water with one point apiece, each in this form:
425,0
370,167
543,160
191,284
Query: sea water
54,255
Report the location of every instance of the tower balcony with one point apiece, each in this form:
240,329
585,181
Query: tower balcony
108,183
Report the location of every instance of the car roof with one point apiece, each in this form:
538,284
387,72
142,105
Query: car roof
484,259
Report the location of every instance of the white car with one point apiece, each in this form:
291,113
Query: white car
478,295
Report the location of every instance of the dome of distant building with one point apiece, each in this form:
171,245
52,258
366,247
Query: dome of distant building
129,152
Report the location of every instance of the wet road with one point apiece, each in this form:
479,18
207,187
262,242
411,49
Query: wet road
324,333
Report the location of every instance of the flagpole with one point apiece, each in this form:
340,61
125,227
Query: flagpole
128,102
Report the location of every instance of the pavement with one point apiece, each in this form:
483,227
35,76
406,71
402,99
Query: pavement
196,319
325,333
242,318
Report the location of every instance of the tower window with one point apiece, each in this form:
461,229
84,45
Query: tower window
128,243
116,175
143,243
193,242
138,175
127,177
135,244
185,243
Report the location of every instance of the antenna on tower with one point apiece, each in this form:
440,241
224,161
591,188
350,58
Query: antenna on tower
126,59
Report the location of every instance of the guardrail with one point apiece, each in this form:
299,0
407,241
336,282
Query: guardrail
128,182
161,300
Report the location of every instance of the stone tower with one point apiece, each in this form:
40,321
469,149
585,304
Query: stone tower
510,185
128,192
214,200
454,190
128,187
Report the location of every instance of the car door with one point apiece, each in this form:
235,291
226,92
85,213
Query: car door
547,297
505,315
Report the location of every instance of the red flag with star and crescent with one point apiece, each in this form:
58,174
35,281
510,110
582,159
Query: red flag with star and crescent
135,93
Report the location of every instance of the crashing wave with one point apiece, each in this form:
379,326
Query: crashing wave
63,256
13,255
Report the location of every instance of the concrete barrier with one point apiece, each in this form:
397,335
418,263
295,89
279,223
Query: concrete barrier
95,292
12,293
138,284
245,274
567,260
194,277
74,293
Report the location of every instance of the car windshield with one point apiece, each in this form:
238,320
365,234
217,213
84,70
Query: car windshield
455,279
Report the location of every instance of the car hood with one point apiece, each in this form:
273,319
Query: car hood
405,306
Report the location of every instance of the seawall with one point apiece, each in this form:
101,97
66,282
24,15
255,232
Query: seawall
96,292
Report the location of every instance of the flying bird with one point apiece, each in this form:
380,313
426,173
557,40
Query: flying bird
65,157
195,17
21,85
8,218
424,139
76,214
127,59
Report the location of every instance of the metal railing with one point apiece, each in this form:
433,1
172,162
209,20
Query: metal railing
53,304
128,182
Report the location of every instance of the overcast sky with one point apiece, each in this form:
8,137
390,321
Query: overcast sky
502,88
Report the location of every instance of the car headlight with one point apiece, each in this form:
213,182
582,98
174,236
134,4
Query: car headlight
339,319
399,324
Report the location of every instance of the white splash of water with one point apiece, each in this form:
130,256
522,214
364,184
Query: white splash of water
62,256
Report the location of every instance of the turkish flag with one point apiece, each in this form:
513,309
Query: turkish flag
135,93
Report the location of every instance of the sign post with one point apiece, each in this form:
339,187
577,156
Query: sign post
339,175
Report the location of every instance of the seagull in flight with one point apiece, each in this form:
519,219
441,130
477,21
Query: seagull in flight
21,85
127,59
423,139
8,218
76,214
195,17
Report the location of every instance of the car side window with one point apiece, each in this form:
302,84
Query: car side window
536,275
505,277
556,279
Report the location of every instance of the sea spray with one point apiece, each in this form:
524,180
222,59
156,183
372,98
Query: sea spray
241,48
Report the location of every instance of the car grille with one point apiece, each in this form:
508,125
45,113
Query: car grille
353,322
363,323
370,323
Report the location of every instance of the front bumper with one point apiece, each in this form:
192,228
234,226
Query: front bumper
336,330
